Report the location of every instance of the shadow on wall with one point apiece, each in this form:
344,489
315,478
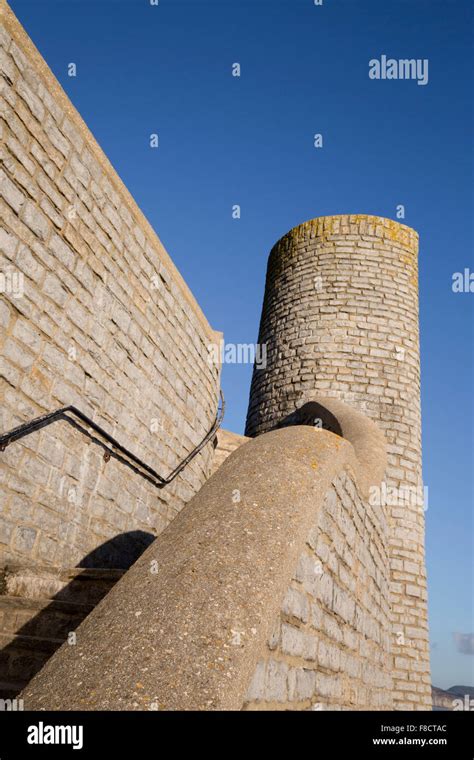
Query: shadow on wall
31,644
312,414
120,552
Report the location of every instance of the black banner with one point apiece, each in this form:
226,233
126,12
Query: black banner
125,735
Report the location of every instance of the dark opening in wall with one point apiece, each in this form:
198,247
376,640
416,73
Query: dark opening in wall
312,414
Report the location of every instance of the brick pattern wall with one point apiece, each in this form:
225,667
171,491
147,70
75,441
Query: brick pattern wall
104,322
330,645
340,317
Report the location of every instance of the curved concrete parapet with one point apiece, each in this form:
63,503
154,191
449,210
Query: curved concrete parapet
366,438
186,626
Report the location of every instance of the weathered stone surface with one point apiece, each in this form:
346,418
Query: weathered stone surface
189,635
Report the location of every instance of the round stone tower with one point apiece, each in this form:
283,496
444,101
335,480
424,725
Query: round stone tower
340,319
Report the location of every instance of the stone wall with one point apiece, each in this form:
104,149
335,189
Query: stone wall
340,317
92,313
330,646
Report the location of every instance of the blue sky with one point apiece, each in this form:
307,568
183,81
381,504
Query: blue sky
249,141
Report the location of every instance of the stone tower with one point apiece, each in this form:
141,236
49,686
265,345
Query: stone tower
340,319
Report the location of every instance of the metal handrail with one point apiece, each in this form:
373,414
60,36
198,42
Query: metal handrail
114,449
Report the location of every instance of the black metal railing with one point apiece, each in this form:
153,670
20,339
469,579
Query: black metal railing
112,448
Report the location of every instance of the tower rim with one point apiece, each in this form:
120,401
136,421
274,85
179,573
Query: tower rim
346,224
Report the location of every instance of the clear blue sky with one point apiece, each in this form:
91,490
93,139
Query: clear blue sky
248,141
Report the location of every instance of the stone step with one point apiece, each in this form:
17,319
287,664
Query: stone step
81,585
39,607
40,617
21,657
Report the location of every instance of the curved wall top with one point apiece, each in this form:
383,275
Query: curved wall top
165,636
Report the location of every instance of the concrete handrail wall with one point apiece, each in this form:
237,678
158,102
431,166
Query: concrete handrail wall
163,638
366,438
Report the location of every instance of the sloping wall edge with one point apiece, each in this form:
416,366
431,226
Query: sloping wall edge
164,636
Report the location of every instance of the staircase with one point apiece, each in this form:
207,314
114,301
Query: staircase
39,608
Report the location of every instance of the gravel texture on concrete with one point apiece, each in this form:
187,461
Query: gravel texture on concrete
163,638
